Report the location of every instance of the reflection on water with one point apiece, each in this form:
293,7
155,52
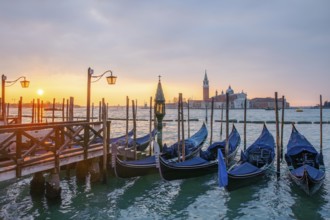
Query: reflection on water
150,197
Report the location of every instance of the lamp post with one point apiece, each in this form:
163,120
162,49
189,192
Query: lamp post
24,83
159,112
110,79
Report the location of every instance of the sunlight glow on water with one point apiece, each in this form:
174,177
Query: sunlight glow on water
150,197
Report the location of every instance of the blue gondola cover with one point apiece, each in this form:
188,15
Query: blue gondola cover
191,162
244,168
298,143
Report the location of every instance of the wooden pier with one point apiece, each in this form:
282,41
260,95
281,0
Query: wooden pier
31,148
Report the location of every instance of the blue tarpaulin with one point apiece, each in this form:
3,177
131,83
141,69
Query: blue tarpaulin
211,152
244,168
298,143
191,162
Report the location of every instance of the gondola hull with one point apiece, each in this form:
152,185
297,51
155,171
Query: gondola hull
197,166
127,169
306,183
305,163
170,171
239,181
124,170
255,162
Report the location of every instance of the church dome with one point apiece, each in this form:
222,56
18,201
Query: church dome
230,91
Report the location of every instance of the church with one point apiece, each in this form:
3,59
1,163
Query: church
236,100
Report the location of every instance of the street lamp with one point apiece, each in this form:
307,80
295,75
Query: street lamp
159,109
24,83
110,79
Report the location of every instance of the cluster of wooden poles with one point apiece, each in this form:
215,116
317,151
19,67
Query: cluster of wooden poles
134,118
38,108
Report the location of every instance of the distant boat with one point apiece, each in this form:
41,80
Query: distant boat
145,106
299,110
271,109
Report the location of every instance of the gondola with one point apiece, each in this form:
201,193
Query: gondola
116,140
255,161
122,138
201,165
142,142
306,166
147,165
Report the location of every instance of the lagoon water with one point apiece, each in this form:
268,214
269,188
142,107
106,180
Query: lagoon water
150,197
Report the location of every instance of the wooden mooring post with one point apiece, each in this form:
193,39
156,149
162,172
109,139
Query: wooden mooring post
321,125
33,112
188,118
182,126
211,124
63,108
278,152
245,123
53,110
127,121
221,118
179,126
227,129
134,127
282,126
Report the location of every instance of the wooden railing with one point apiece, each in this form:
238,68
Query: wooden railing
30,148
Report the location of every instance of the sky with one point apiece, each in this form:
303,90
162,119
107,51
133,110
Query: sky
260,47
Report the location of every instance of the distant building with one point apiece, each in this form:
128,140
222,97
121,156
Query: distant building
326,104
267,103
236,100
206,88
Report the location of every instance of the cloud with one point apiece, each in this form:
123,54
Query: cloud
248,44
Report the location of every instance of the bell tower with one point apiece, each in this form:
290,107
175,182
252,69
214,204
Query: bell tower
206,89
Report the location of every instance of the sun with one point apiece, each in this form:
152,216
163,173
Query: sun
40,92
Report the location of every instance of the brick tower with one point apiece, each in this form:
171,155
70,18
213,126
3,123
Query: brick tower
206,89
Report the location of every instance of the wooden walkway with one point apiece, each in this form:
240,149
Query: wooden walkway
29,148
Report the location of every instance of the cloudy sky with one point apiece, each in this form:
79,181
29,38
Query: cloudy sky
256,46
